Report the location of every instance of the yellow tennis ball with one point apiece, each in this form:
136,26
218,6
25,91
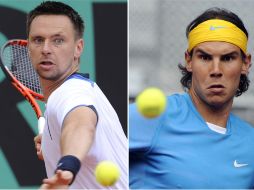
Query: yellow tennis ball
107,173
151,102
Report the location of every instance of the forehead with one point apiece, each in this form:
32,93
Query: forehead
51,24
217,48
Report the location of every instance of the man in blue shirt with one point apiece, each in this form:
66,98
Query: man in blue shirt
197,142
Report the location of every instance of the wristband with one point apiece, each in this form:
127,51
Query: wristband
69,163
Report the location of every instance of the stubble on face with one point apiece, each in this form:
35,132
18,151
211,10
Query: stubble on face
216,69
52,45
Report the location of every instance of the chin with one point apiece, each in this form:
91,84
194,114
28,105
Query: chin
47,76
218,102
216,105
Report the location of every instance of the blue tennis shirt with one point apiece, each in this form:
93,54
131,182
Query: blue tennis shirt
179,150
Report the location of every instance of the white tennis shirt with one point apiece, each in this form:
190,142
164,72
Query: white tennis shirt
110,142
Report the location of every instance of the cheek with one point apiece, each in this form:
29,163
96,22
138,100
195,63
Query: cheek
233,79
67,53
200,74
198,81
200,78
65,57
232,74
34,52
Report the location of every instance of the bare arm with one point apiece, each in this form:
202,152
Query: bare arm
78,132
77,136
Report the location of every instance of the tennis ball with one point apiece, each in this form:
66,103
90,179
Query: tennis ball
107,173
151,102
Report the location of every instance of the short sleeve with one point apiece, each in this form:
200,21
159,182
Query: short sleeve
68,97
141,130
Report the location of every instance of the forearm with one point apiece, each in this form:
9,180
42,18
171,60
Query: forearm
77,141
78,132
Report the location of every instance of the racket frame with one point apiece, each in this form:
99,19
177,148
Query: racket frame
29,95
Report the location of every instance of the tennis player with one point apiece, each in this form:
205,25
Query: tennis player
82,128
198,143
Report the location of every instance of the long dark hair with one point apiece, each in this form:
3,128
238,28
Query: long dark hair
223,14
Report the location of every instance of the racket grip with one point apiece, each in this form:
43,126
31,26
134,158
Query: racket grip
41,124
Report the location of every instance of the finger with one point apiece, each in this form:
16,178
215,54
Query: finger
37,142
40,155
56,179
38,147
37,138
44,186
59,173
50,181
65,177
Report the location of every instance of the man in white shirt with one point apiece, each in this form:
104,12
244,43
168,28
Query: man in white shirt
82,127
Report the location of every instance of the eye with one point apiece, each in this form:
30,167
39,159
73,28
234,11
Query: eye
228,58
205,57
38,40
58,41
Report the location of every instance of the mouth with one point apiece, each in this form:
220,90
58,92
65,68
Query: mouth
216,86
46,63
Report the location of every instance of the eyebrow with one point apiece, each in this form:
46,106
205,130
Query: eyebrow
54,35
58,34
202,52
233,53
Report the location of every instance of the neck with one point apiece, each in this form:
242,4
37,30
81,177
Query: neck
216,114
49,86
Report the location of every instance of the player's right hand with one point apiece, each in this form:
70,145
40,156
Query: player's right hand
60,180
37,142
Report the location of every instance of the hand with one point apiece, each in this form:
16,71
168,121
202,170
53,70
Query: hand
60,180
37,142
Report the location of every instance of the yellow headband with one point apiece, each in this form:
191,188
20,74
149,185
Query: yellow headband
217,30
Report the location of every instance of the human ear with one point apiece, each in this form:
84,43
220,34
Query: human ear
78,48
246,64
188,61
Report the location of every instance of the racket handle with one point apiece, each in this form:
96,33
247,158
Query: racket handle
41,124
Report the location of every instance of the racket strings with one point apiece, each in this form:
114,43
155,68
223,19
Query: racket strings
18,62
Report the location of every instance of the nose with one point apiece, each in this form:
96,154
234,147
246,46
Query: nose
46,48
216,69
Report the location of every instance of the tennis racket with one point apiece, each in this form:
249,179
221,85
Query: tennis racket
17,67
